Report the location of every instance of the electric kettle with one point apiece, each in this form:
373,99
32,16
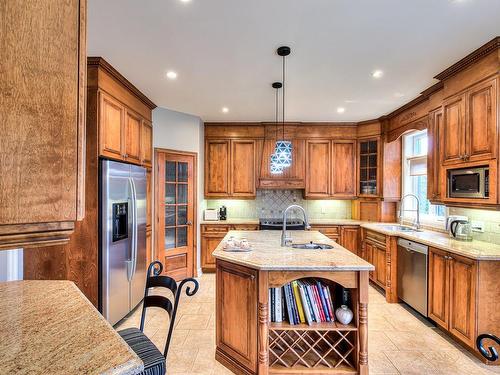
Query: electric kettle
460,230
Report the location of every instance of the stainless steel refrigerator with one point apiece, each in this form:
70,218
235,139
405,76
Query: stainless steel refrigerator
122,238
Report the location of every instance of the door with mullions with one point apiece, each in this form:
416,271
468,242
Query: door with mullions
175,207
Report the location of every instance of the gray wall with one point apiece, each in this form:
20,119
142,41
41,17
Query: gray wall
181,132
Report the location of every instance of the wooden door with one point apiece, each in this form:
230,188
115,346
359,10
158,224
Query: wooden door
481,132
236,311
208,244
146,143
217,164
368,167
438,306
243,160
175,234
349,238
380,265
133,125
462,298
453,137
318,159
111,125
369,257
433,162
343,178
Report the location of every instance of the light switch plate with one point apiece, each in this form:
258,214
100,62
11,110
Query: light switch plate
477,226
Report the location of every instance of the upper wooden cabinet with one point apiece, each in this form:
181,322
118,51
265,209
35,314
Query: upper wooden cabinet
42,126
369,167
434,133
123,115
470,126
230,168
330,169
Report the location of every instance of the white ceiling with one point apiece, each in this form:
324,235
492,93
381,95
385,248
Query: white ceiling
224,52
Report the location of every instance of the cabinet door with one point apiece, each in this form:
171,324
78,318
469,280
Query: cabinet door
343,169
237,313
243,168
462,298
208,245
380,263
349,238
369,162
133,125
111,125
481,122
434,132
453,139
149,199
217,168
332,232
438,287
146,143
318,158
369,257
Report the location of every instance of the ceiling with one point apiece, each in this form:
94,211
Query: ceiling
223,52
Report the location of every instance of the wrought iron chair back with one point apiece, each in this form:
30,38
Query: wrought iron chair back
155,279
491,353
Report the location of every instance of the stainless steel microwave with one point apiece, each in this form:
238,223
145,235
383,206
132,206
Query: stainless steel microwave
468,182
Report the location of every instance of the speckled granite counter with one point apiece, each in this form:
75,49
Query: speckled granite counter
231,222
475,249
49,327
267,254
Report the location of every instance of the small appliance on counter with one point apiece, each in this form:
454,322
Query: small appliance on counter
459,228
211,214
223,213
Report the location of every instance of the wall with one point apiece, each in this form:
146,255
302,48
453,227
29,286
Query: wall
491,220
180,132
272,203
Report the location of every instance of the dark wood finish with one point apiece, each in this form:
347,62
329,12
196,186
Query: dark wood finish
42,141
318,169
343,178
453,140
237,306
243,168
181,259
391,173
217,168
433,155
349,238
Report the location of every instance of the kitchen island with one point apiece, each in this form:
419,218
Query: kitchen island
49,327
248,343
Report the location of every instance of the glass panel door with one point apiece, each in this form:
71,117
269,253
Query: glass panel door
176,204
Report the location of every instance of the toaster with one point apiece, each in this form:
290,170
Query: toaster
211,214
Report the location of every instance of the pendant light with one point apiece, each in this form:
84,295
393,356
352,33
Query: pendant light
275,167
283,148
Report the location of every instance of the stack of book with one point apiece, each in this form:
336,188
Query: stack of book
302,301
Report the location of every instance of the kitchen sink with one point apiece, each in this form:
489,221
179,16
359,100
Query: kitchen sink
312,246
399,228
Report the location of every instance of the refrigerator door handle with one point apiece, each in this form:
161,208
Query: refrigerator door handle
134,228
130,261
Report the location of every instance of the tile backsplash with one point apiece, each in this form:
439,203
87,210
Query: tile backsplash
272,203
491,220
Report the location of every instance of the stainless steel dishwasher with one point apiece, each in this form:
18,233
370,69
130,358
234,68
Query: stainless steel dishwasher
412,274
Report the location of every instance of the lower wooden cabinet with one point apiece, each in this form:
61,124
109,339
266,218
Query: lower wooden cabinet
211,236
374,251
237,306
349,238
452,294
331,231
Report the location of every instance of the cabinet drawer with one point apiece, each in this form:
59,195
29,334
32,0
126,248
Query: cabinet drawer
378,238
333,230
245,227
216,228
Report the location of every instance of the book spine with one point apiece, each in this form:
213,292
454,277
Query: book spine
310,291
318,303
331,309
305,303
289,302
283,305
323,301
298,302
277,300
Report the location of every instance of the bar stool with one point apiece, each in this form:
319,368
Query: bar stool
154,360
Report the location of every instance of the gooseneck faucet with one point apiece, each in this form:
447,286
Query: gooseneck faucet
285,239
402,210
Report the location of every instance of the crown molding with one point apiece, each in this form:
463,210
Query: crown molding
101,63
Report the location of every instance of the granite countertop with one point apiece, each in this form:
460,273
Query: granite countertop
478,250
231,221
50,327
267,254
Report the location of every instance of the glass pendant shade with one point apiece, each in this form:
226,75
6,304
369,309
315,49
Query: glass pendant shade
283,152
275,167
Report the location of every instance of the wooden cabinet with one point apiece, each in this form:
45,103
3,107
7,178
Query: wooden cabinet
42,126
380,262
349,238
330,167
452,294
470,125
375,252
230,168
133,124
331,231
434,133
211,236
237,308
369,167
146,143
112,126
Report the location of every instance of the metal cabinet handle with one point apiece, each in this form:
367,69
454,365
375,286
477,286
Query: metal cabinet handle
189,222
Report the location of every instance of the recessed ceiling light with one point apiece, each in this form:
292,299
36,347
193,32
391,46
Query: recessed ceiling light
377,73
185,1
340,110
171,74
225,110
350,101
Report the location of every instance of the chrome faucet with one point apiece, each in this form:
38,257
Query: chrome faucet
402,210
285,239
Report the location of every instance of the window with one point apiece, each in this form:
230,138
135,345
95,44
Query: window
415,180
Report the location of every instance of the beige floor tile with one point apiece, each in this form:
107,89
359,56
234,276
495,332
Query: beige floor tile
378,341
180,360
424,341
197,321
379,364
201,339
411,363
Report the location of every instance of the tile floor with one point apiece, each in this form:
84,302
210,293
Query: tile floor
399,342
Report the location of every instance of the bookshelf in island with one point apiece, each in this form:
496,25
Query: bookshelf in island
275,307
